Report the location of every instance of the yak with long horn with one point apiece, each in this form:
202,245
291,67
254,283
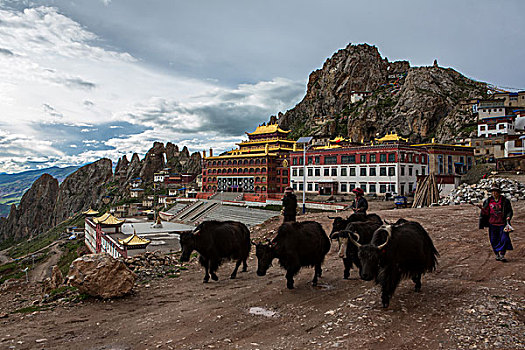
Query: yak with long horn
396,251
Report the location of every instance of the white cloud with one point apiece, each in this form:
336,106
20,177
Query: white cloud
54,72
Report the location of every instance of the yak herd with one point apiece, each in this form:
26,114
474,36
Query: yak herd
381,251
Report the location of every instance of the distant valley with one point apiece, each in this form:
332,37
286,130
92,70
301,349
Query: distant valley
13,186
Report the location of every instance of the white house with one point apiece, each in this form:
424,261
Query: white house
496,126
377,169
136,192
159,177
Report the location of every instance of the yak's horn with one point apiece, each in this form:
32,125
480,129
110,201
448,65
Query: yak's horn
356,243
388,230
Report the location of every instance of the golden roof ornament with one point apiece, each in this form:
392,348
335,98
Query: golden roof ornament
108,219
134,240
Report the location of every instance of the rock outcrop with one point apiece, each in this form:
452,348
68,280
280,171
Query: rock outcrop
53,282
417,102
82,189
47,204
121,169
194,164
154,161
172,151
34,214
134,167
101,276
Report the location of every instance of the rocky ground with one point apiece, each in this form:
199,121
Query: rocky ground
472,301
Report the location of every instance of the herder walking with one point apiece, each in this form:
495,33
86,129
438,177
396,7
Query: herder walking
289,205
360,204
496,213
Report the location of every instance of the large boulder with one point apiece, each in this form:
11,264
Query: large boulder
100,275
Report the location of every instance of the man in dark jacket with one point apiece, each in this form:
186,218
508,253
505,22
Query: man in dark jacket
360,204
289,205
496,213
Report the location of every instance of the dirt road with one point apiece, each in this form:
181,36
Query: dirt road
43,270
471,301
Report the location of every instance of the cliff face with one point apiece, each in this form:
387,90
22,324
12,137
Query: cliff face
33,215
157,158
153,162
419,102
121,169
82,189
425,106
134,167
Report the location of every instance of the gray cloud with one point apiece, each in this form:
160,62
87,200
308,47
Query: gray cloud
6,52
248,41
51,111
79,83
228,112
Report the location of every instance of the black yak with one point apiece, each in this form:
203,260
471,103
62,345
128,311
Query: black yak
217,241
362,232
340,224
297,244
396,251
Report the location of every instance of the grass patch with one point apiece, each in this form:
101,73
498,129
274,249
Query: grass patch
61,290
70,253
8,267
30,309
272,207
7,243
45,239
469,128
16,275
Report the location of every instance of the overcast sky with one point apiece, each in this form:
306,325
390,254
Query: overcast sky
85,79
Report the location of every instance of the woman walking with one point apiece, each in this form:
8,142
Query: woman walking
496,214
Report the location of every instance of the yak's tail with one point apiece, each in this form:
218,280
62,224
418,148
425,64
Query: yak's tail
433,258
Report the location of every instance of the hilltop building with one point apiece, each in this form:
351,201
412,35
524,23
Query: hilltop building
356,96
98,233
511,99
259,165
495,119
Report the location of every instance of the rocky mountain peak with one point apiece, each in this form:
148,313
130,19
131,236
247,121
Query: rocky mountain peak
33,215
153,162
82,189
361,95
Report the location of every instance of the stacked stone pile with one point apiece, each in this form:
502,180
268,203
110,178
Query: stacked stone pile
154,264
476,193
